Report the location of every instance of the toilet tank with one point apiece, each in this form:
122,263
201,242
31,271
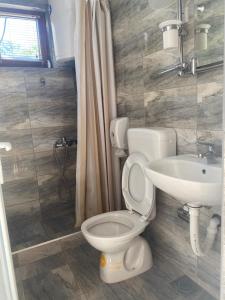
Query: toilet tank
154,143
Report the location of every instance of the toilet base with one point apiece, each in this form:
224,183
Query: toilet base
132,261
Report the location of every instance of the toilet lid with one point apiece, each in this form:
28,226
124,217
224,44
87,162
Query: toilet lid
138,190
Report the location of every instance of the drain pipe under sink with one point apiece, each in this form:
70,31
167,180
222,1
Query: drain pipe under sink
212,230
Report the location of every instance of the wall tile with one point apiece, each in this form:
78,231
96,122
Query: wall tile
14,112
46,163
25,226
57,83
192,105
61,112
44,138
38,106
12,80
18,167
210,106
21,141
20,191
172,108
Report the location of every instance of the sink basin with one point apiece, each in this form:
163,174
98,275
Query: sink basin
189,179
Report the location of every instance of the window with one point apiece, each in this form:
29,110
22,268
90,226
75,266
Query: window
23,39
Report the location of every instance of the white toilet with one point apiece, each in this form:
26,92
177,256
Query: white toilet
125,254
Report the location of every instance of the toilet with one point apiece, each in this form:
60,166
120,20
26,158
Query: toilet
124,253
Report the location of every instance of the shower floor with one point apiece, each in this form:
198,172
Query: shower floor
68,269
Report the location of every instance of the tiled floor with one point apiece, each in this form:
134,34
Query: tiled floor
68,269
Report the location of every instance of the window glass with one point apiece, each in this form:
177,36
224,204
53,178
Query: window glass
19,39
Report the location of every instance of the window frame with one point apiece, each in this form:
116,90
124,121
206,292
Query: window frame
43,39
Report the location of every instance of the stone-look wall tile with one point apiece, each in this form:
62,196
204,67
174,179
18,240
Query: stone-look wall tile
21,141
44,138
190,104
25,225
171,233
132,106
46,163
216,75
49,84
60,112
214,137
12,81
52,188
210,106
159,61
18,167
133,77
171,108
14,112
214,8
20,191
186,141
38,106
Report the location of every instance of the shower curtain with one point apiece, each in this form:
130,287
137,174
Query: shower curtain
97,172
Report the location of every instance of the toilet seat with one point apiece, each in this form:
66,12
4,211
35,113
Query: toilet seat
101,234
114,226
137,188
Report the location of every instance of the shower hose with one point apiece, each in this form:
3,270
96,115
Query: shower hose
61,155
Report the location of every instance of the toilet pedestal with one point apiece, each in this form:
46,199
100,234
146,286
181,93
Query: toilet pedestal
130,262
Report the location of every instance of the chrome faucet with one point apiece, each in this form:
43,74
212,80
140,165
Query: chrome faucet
210,154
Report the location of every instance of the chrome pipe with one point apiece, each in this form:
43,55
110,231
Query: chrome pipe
168,70
211,66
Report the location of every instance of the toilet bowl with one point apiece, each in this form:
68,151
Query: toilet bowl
116,235
125,254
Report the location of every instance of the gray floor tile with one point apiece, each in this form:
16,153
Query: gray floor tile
74,274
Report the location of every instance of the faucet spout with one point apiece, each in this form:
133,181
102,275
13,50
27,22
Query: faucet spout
210,154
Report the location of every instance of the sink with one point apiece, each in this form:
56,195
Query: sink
189,179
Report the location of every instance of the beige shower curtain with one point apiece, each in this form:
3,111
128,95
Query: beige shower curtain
97,177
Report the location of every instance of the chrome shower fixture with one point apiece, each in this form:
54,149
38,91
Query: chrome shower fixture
65,142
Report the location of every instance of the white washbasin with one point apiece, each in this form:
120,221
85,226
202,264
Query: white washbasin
188,179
